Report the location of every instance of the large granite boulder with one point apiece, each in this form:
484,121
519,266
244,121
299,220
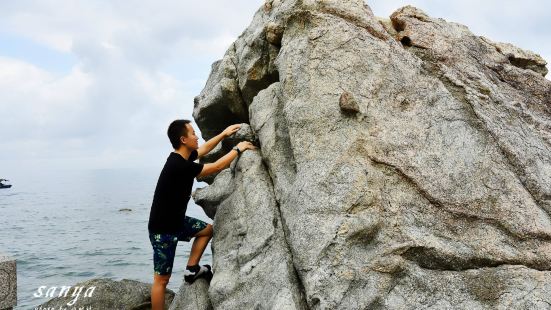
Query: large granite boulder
404,163
107,294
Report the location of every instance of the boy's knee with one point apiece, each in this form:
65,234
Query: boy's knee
205,232
162,279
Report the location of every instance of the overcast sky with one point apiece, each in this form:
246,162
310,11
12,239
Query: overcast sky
94,84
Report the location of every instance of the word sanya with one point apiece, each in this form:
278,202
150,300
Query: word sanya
51,292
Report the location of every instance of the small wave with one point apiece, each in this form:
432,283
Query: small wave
121,263
31,260
79,274
94,253
70,249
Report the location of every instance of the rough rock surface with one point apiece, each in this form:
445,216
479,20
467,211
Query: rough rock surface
434,193
254,269
245,133
192,296
108,294
8,282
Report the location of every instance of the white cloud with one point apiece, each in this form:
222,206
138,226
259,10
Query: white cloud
38,103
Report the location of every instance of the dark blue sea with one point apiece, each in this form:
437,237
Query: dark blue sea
64,227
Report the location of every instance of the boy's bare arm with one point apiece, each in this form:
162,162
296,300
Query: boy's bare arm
225,161
211,144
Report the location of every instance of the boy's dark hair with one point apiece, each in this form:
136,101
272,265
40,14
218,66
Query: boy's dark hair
176,129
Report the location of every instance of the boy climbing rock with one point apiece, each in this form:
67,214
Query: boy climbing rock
168,222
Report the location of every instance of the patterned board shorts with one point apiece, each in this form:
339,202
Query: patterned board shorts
164,245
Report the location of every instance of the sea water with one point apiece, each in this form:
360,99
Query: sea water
64,227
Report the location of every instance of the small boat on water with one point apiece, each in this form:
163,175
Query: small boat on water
2,185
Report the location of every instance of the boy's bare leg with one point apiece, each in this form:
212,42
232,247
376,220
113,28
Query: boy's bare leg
158,291
202,238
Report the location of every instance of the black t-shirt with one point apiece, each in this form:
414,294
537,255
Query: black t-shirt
172,193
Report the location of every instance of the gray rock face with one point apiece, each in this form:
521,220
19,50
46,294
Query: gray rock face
244,133
108,294
403,164
192,296
252,262
8,282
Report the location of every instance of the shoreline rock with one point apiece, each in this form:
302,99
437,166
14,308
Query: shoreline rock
108,294
192,296
8,282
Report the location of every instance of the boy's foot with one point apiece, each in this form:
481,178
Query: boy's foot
193,273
